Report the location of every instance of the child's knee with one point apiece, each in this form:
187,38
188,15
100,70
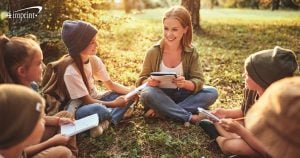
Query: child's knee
63,152
227,147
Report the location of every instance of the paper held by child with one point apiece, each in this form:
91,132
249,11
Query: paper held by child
135,91
165,79
80,125
209,115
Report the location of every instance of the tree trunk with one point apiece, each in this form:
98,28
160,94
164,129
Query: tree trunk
275,4
127,6
193,6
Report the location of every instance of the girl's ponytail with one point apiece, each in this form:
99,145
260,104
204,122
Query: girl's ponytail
4,76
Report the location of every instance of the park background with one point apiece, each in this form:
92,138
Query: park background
230,30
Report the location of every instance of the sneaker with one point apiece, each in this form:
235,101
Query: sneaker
209,128
186,124
96,131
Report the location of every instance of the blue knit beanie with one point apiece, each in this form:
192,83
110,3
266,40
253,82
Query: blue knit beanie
77,35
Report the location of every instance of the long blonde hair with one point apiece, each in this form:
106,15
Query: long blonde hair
184,17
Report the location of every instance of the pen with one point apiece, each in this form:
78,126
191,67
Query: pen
238,119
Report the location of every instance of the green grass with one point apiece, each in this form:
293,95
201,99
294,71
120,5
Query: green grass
229,36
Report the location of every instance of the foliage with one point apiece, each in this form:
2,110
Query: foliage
48,23
157,3
3,21
264,4
230,36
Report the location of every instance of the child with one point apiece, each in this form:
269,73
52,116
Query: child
21,119
274,119
261,70
81,40
175,53
22,63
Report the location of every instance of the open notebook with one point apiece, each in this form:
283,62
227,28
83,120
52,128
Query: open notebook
80,125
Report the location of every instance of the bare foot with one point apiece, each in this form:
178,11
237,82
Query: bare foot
150,113
197,118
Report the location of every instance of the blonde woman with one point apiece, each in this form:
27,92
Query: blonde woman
175,53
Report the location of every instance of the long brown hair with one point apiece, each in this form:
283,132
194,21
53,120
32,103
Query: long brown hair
184,17
15,52
78,61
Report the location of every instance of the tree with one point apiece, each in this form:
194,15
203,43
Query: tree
275,4
193,6
285,3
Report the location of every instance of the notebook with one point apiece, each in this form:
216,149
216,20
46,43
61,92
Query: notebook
80,125
165,79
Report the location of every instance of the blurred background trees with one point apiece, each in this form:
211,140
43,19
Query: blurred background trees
46,26
194,8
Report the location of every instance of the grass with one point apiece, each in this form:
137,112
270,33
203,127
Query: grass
229,36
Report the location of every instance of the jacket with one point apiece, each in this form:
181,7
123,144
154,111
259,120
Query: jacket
190,62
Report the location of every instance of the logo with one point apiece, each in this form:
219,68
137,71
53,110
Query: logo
26,13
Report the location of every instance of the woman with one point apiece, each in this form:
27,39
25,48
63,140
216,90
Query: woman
175,53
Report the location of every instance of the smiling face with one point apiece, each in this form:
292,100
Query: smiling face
173,31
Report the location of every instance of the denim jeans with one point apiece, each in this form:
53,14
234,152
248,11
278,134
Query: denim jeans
178,104
86,110
104,113
118,112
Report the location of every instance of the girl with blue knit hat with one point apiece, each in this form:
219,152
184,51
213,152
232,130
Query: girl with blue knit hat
80,39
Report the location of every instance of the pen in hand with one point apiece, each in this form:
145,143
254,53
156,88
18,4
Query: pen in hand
238,119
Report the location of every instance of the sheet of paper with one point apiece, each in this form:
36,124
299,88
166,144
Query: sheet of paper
80,125
135,91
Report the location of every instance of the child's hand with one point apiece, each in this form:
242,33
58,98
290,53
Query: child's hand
180,81
231,125
152,82
219,112
59,139
134,97
63,120
120,101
